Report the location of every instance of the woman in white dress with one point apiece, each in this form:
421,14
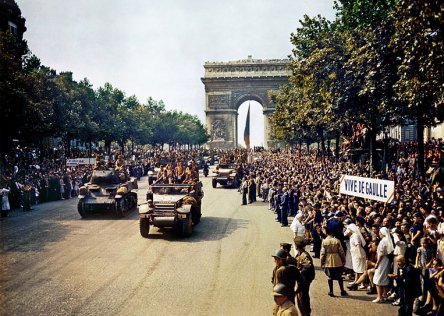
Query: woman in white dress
357,242
5,207
383,266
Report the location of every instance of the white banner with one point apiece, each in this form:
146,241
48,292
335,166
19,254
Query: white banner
80,161
368,188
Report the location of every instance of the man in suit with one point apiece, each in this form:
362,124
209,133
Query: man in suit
285,203
277,202
409,285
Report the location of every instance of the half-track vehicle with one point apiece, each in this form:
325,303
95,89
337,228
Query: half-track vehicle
172,205
226,175
108,190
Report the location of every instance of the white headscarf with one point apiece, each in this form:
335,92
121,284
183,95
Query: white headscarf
299,216
355,230
388,238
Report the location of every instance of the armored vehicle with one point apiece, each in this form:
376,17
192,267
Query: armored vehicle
171,205
226,174
108,190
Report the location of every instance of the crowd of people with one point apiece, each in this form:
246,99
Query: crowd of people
392,250
29,176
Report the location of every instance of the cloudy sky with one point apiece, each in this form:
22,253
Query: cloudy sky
157,48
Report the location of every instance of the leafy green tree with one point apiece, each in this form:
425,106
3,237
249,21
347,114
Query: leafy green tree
418,40
39,106
362,14
370,76
12,93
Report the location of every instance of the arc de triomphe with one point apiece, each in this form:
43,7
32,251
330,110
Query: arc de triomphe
229,84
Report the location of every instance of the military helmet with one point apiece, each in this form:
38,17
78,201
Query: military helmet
280,290
281,254
299,241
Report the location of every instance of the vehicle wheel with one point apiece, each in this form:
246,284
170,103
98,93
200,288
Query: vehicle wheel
196,214
187,227
133,203
81,208
214,183
144,225
121,207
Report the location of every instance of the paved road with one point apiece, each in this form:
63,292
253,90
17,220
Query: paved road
52,262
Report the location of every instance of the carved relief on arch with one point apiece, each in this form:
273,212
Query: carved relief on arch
218,130
219,101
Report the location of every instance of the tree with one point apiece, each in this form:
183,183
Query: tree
418,39
362,14
12,93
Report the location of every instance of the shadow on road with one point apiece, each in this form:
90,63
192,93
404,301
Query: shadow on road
26,235
210,228
216,228
110,215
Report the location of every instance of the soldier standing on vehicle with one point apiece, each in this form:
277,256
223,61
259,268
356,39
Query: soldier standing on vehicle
195,170
120,163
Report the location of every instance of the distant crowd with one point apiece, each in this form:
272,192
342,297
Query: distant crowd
29,176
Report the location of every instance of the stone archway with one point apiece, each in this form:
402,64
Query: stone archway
229,84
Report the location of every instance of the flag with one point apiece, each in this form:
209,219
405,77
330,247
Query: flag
247,129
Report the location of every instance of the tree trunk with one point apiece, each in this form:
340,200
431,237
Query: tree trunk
322,138
122,146
373,155
420,134
68,145
338,135
108,147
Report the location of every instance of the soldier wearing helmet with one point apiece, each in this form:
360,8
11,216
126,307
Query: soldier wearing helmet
284,306
120,163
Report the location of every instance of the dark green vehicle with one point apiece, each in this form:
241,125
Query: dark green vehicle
108,190
226,175
172,205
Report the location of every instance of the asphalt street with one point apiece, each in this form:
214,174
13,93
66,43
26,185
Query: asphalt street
53,262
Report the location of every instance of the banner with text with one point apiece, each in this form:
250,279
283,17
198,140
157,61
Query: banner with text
368,188
80,161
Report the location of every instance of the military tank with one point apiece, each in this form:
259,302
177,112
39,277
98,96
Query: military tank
108,190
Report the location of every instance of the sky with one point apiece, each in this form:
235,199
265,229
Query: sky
157,48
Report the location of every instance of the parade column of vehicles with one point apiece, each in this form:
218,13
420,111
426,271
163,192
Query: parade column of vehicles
172,205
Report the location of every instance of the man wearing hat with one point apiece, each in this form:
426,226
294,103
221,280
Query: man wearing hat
287,248
280,258
286,272
284,306
304,263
